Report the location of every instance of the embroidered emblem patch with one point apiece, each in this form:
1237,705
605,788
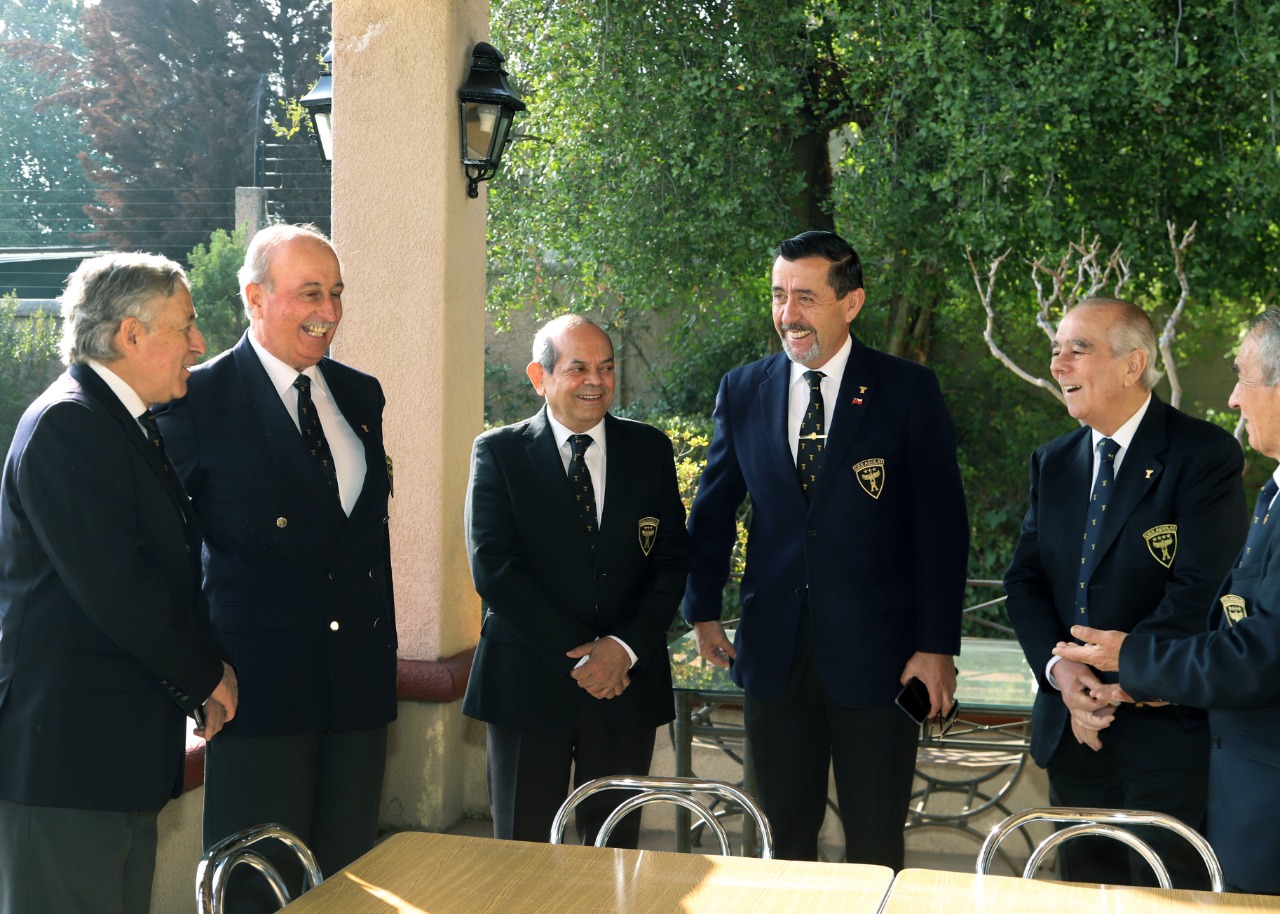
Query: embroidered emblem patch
870,475
648,533
391,478
1233,608
1162,543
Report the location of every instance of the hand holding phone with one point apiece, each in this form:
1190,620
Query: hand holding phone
914,700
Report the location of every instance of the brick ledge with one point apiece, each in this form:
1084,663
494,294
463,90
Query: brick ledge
438,681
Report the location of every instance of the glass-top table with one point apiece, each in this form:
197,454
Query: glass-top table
986,749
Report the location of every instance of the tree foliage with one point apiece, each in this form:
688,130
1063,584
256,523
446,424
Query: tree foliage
215,290
42,187
28,362
175,97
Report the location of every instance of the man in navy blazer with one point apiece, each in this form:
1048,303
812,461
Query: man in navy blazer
105,643
281,451
1230,669
575,533
1174,519
855,574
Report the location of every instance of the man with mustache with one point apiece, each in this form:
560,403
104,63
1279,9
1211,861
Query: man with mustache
1230,669
281,451
856,557
1133,520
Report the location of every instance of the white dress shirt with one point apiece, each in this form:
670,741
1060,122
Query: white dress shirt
798,393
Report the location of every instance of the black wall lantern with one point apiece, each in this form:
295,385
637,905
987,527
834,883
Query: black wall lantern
486,106
319,105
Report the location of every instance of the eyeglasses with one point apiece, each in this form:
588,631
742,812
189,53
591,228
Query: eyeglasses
941,726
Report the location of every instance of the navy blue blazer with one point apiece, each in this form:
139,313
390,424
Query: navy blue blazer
105,645
882,546
546,590
300,592
1179,485
1233,669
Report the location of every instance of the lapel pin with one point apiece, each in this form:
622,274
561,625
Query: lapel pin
861,389
1149,472
856,401
364,427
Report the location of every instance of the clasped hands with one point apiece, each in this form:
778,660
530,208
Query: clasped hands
1090,701
605,674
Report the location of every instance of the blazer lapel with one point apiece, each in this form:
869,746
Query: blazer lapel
274,429
858,390
774,396
548,471
359,414
1139,471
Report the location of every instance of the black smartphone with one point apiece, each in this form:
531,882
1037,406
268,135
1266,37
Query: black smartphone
914,700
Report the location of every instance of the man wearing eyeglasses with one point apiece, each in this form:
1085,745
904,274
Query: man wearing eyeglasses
1231,668
1134,519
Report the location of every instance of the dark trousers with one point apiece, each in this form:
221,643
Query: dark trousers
1078,776
75,861
799,737
529,776
324,787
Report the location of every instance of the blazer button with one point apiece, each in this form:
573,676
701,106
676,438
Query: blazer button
334,626
1217,742
331,574
282,522
811,532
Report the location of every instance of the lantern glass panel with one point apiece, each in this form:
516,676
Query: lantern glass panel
322,122
480,120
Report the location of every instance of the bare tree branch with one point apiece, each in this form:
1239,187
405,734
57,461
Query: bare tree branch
1171,325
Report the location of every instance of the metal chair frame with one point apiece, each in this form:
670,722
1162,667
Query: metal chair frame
1102,823
681,791
216,865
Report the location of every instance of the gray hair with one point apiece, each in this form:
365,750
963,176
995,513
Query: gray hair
544,346
1265,331
257,259
103,292
1133,330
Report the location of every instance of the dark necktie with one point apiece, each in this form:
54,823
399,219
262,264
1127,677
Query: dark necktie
313,434
1102,488
1261,511
580,482
152,428
812,434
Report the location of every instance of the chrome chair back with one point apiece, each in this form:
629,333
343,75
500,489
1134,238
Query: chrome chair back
681,791
1103,823
216,865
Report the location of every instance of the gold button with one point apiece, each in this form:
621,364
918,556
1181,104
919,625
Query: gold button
282,521
333,626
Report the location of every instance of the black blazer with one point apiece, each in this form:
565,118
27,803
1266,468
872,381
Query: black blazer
883,556
546,590
1178,471
1232,671
105,645
300,592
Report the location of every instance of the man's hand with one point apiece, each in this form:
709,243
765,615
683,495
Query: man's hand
604,675
1089,714
938,673
713,644
1101,649
220,707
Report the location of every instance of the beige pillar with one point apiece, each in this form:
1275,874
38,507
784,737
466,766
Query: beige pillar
413,252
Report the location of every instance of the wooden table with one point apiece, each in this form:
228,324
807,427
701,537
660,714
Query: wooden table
938,892
419,873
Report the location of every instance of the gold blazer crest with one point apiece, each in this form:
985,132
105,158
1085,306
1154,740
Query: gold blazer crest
1162,543
1233,608
648,529
870,475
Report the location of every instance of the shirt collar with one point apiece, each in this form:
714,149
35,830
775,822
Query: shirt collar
120,387
1124,434
833,369
562,433
283,375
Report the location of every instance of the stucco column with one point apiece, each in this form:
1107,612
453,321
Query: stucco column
413,252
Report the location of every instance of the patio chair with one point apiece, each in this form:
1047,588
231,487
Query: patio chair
216,865
681,791
1099,822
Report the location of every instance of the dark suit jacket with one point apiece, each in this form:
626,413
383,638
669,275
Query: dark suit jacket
885,572
300,592
105,644
1178,470
546,590
1233,671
